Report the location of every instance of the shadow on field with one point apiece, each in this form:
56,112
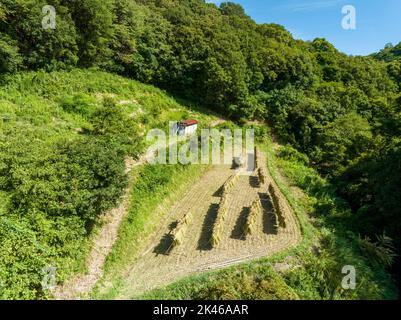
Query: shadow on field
219,192
269,217
254,182
207,228
238,231
164,245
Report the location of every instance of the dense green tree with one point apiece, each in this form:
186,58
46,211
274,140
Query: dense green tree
10,59
342,141
82,178
93,22
389,53
39,47
113,126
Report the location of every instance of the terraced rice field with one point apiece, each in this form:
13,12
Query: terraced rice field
158,266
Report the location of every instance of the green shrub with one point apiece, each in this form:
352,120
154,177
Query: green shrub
21,261
84,178
10,60
289,153
82,104
117,128
259,285
379,253
247,282
55,191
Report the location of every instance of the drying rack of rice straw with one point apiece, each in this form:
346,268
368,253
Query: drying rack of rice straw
254,212
178,233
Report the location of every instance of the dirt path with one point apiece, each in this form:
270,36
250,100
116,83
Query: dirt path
217,122
102,243
154,268
101,247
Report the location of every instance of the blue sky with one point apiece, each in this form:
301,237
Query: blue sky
378,22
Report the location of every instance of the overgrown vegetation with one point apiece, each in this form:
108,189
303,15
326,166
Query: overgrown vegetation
250,282
338,241
63,140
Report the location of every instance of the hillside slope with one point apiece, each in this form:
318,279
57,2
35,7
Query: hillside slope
64,138
342,112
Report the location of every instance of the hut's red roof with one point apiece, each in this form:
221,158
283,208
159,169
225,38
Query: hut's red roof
189,123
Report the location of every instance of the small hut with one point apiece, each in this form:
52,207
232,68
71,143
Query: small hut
187,127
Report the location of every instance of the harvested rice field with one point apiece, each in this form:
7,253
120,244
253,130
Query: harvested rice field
163,261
